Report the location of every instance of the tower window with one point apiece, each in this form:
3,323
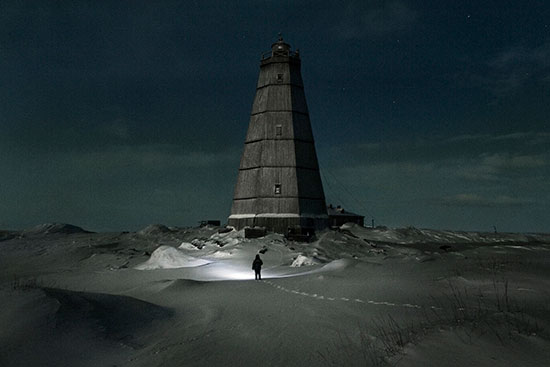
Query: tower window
279,130
277,189
279,78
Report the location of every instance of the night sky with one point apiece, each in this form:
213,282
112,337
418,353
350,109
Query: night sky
116,115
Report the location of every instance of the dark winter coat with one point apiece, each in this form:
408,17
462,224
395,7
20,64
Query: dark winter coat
257,264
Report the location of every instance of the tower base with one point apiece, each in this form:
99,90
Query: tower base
279,223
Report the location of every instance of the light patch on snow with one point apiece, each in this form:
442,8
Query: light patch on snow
241,216
264,215
347,226
229,238
221,255
167,257
187,246
231,242
336,265
278,215
460,236
520,247
222,271
302,260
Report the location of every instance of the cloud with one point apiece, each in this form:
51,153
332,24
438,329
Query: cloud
152,157
514,56
118,129
499,165
475,200
510,162
362,19
510,70
496,153
475,171
144,160
115,187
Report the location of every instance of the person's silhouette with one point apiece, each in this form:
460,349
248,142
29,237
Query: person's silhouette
257,267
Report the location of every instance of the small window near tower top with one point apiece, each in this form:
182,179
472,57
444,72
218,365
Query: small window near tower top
279,130
277,189
280,78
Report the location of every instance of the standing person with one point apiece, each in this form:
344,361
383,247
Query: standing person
257,267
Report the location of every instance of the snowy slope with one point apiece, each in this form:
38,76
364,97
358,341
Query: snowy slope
186,296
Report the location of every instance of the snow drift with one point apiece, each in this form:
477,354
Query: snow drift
167,257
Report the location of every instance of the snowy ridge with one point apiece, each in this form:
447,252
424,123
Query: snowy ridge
52,228
412,235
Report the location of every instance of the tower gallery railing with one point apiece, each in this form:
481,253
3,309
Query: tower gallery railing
268,54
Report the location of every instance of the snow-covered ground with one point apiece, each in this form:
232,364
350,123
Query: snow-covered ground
357,296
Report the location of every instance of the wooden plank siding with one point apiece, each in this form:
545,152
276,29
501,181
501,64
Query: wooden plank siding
278,183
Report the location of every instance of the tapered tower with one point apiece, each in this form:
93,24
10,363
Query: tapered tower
279,185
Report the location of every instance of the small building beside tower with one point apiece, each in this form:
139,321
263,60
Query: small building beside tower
339,216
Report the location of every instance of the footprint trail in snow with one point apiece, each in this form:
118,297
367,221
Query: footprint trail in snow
341,299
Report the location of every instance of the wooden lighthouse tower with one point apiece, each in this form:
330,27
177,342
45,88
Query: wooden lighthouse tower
279,186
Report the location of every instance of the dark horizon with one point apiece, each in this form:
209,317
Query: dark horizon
114,116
